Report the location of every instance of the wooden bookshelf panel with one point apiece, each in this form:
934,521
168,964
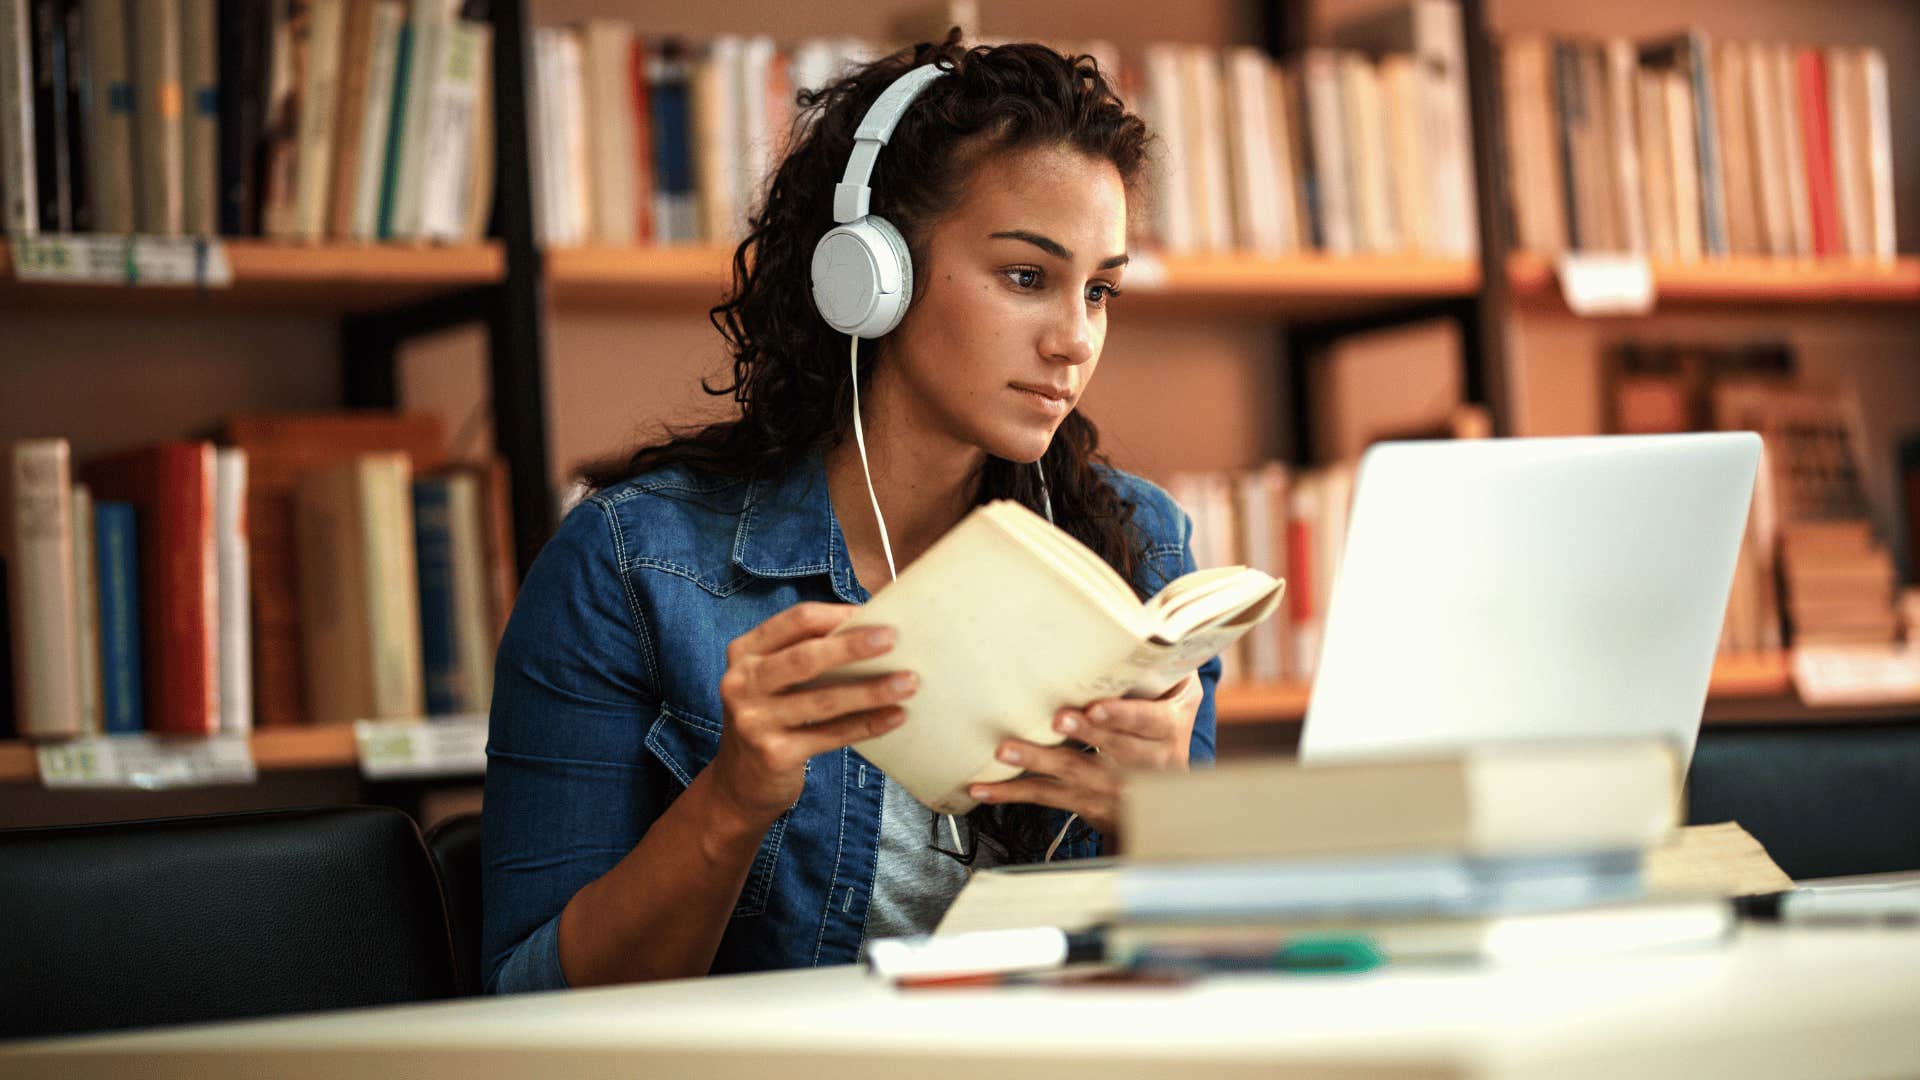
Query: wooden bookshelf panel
274,750
271,275
602,277
1744,282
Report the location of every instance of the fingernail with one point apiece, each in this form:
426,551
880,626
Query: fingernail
1010,755
879,638
1098,713
1066,725
980,793
902,684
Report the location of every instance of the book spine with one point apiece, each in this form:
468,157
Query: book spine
433,554
242,87
86,613
1713,201
80,90
472,624
117,545
1879,129
1817,147
109,118
200,118
19,174
396,128
318,99
392,600
50,113
232,551
377,111
41,586
158,120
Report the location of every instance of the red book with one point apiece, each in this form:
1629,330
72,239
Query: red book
642,142
171,489
1811,68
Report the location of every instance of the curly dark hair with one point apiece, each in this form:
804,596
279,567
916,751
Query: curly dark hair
790,375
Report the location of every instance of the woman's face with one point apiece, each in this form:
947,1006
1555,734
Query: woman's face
1010,311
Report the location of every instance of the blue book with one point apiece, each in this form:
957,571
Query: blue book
675,197
433,555
117,555
396,131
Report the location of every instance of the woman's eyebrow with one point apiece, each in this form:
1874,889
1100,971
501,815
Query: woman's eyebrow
1053,248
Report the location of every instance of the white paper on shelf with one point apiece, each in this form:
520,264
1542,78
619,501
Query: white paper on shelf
73,259
437,746
147,761
1857,674
1606,284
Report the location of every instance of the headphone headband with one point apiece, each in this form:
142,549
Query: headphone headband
852,195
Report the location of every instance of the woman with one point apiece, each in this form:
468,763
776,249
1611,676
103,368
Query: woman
661,800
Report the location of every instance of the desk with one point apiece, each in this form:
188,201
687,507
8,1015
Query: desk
1801,1002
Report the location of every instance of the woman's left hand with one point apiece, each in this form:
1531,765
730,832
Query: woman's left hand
1129,733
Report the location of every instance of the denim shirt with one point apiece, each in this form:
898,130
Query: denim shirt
606,704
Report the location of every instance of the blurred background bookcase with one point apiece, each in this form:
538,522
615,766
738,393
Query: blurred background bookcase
552,356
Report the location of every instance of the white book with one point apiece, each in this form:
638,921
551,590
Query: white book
1409,170
86,607
754,118
609,53
1848,157
232,548
1688,242
18,177
1008,593
1787,93
1332,177
1656,165
1622,63
1173,192
383,54
450,131
576,138
1207,144
319,95
1286,178
1879,157
40,589
1770,165
1256,193
428,22
1376,228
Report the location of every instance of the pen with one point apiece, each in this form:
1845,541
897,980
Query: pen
1304,955
1889,905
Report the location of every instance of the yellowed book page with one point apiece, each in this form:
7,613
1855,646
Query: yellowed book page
1713,860
1072,897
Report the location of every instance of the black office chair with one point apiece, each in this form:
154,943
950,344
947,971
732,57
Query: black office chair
1824,801
455,845
188,919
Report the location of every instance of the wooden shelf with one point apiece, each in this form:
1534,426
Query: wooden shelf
1744,282
275,749
268,274
1745,689
1304,284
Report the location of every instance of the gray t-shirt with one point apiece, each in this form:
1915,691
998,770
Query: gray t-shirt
914,884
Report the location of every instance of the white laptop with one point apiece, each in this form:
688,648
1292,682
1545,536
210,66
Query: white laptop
1530,589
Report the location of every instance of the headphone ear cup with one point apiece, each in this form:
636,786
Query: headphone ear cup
895,302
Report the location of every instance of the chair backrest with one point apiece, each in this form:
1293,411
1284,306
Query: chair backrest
209,918
1824,801
455,844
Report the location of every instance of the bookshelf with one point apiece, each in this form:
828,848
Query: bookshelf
1744,282
1302,285
344,279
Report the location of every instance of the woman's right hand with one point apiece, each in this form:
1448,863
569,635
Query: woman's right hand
772,728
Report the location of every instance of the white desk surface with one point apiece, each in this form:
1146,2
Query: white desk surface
1802,1002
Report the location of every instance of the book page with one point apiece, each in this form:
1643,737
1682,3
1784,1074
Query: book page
1713,860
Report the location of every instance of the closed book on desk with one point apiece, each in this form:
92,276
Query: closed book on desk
1008,619
1495,800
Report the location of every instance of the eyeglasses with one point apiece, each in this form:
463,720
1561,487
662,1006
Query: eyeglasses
943,840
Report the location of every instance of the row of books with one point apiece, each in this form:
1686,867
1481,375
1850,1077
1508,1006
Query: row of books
299,120
284,578
1813,569
1685,148
1363,148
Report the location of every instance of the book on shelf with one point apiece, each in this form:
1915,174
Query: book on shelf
1361,148
1005,591
170,599
305,121
1688,147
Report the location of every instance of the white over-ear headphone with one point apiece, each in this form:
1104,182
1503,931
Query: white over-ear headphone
862,274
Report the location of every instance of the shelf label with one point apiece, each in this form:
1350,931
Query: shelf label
1606,284
86,259
437,746
147,761
1857,674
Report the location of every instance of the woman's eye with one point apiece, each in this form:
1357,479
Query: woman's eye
1098,295
1023,277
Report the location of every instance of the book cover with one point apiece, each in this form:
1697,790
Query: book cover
39,546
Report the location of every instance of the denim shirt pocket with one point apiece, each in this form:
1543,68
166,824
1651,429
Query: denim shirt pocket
685,743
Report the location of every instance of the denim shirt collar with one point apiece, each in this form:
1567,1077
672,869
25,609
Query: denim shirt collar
788,529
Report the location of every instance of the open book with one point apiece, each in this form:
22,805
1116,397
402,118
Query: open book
1006,620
